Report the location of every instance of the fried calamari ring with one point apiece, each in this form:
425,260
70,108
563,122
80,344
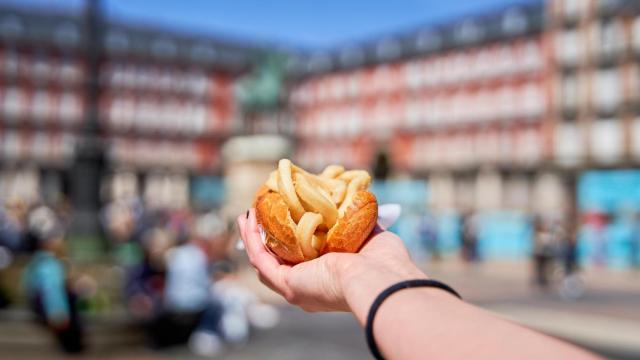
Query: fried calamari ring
359,181
287,189
336,188
305,230
332,171
316,201
272,182
311,214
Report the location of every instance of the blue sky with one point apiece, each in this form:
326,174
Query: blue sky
304,23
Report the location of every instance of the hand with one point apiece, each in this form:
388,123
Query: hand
141,306
334,281
59,323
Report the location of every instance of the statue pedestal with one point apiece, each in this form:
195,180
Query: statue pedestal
248,160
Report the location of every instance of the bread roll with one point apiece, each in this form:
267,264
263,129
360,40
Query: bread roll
310,236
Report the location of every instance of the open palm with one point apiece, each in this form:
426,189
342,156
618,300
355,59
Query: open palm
318,285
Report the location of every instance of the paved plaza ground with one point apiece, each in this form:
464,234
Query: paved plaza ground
605,319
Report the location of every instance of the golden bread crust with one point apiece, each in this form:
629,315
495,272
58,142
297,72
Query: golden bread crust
261,191
353,229
273,214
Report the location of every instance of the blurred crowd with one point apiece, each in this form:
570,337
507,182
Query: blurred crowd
179,274
180,284
552,247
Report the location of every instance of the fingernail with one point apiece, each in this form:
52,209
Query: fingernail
377,230
247,215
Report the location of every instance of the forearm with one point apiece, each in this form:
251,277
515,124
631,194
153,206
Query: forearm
426,322
362,283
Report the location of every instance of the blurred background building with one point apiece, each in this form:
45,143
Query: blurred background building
464,106
153,106
522,112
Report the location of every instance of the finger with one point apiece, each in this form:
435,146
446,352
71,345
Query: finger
267,282
268,266
272,273
241,221
253,240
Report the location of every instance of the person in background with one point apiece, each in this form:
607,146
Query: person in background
543,252
145,281
123,222
428,233
45,282
63,209
12,220
566,236
469,237
192,313
570,240
243,309
118,221
634,252
178,223
600,223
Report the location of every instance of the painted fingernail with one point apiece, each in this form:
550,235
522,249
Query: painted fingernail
247,215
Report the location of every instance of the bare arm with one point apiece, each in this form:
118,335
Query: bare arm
411,324
427,323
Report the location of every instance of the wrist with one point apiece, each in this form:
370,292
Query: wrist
362,281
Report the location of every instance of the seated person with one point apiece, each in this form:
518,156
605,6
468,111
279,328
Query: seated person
189,304
45,284
144,286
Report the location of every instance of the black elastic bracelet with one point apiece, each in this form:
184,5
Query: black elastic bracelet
371,341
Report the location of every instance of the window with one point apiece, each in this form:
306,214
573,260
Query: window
569,47
574,8
569,144
635,138
413,75
14,103
569,93
606,89
41,105
607,38
532,97
531,56
636,34
606,140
